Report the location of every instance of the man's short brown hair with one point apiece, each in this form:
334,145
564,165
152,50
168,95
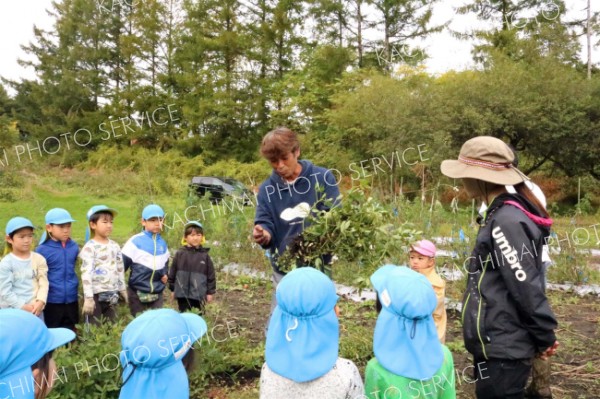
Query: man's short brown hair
278,143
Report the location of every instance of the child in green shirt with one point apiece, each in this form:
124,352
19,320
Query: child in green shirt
410,361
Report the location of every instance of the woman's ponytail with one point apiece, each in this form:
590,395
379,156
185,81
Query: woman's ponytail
524,190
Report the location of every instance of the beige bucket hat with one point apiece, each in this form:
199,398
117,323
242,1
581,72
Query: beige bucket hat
485,158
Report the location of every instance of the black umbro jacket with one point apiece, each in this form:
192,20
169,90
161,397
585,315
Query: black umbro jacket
506,314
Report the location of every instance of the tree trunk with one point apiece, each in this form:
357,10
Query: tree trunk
359,32
505,16
341,28
589,39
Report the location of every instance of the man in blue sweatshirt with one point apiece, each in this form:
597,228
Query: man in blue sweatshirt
286,197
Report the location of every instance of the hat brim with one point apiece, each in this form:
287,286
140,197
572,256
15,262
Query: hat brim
196,325
12,230
458,170
153,215
422,251
195,224
59,337
62,221
113,212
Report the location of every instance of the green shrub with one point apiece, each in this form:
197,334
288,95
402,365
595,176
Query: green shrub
360,230
11,182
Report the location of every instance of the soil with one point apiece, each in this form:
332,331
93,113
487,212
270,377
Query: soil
575,368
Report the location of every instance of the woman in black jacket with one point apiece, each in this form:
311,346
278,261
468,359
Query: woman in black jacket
506,316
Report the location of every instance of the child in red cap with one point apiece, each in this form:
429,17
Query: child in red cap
422,260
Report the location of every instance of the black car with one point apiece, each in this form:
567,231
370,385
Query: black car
221,187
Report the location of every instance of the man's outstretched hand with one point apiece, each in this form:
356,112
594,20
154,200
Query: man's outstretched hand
260,235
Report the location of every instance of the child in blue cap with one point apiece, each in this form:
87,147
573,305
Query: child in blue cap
154,345
26,367
17,288
60,252
147,255
303,340
102,269
192,274
410,361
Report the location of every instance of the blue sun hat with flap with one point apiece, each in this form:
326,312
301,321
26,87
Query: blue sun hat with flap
197,224
13,225
303,335
153,345
56,216
91,212
153,211
20,351
405,341
18,223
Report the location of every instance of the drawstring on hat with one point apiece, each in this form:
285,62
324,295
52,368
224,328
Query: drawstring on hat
130,374
523,175
413,330
295,326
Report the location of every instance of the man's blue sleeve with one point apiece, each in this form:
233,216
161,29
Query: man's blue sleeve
264,216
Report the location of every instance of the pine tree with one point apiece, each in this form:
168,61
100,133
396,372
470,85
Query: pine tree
402,21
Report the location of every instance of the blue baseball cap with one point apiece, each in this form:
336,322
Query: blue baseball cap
405,341
153,345
17,223
303,335
100,208
92,211
152,211
193,223
58,216
20,351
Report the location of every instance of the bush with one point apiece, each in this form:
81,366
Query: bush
11,181
360,230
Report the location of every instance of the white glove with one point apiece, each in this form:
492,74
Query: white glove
88,306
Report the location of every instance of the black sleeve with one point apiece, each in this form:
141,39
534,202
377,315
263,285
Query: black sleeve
523,277
173,273
126,262
211,278
264,217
